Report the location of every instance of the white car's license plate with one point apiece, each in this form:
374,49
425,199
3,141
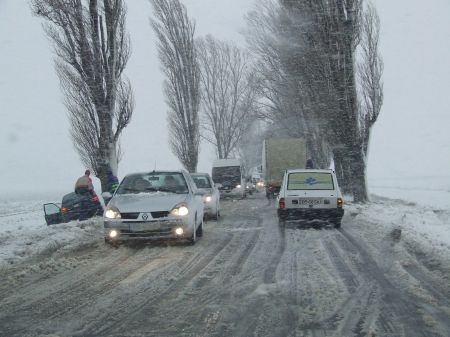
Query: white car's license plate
147,226
309,201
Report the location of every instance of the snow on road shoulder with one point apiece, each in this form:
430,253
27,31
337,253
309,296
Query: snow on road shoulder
25,235
424,228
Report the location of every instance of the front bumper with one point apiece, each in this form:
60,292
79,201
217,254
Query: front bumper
146,230
310,213
236,192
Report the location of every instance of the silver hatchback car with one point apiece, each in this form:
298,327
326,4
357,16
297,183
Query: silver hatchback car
211,194
155,205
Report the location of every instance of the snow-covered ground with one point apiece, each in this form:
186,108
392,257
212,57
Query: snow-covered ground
422,215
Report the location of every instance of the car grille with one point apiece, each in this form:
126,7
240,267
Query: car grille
133,216
148,233
162,214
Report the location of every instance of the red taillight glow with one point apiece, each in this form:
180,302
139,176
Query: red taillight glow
64,210
281,203
340,202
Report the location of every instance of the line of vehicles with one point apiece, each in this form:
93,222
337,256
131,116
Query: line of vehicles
174,204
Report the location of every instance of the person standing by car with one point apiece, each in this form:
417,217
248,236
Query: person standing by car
309,164
84,184
85,187
112,182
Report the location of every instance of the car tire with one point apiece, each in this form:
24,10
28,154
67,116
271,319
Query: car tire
199,231
193,238
217,215
337,223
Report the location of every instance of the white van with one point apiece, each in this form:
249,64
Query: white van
229,174
308,194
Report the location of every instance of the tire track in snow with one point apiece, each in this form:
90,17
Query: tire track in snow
143,305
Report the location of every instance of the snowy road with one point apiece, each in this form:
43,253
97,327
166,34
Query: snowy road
245,277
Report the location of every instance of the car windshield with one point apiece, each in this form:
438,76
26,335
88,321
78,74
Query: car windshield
227,176
172,182
310,181
202,181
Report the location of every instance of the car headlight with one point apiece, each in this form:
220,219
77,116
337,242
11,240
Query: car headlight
180,210
238,186
208,198
112,213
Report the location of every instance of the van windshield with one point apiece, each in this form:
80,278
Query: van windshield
310,181
227,175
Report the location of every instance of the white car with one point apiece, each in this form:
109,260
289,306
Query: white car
308,194
154,205
211,194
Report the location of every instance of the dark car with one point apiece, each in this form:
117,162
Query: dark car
74,206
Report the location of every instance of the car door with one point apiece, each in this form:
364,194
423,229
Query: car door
52,213
215,191
197,197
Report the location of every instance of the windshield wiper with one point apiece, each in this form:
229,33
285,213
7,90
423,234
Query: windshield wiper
162,189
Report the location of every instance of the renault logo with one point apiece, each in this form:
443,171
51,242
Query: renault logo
145,216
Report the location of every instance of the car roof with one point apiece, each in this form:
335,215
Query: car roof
157,171
310,170
199,174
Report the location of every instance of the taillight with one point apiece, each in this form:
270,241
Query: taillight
64,210
95,199
340,202
281,203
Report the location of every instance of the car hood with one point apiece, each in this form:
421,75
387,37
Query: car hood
147,202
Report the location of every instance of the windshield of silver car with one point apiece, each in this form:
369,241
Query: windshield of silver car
172,182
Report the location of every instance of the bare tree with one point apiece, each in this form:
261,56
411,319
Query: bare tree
290,103
307,50
177,53
228,93
92,50
370,71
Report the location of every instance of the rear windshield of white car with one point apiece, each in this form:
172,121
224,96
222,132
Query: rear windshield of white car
310,181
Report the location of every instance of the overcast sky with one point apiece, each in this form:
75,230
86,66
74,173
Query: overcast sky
410,139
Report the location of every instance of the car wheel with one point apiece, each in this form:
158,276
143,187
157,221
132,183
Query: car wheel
216,216
337,223
193,237
199,231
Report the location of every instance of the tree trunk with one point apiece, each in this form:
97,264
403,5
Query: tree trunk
358,171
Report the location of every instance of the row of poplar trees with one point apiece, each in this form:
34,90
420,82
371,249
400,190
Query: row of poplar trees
313,71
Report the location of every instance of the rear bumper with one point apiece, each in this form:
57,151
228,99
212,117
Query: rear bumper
310,213
232,193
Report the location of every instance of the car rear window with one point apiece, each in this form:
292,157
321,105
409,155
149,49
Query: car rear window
310,181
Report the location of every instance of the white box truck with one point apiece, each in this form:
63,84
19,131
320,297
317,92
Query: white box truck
279,155
230,175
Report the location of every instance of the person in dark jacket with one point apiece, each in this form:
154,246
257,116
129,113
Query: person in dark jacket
112,182
309,164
